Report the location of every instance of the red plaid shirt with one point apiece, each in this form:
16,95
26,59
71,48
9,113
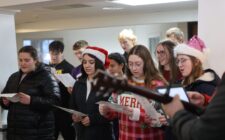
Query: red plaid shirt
136,130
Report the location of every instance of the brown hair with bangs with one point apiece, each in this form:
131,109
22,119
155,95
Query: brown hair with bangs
150,71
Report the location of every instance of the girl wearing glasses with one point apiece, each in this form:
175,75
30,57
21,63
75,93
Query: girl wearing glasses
190,58
167,61
134,123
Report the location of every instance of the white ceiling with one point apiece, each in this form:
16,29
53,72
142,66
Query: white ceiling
37,11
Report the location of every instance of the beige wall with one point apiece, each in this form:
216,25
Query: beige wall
211,22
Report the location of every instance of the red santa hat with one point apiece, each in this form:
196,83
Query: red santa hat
195,47
100,53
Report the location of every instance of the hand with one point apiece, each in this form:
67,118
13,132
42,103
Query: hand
70,89
163,120
103,109
196,98
76,118
85,121
148,120
24,98
174,106
5,101
128,111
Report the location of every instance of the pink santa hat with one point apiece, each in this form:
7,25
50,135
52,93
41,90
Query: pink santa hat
195,47
100,53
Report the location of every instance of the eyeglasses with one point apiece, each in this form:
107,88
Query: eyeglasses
181,61
160,52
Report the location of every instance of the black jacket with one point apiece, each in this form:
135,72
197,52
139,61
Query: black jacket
99,128
206,83
34,121
209,126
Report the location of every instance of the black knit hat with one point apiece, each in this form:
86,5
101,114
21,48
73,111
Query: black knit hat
119,58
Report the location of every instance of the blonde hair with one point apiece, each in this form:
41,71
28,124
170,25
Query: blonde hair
127,34
176,33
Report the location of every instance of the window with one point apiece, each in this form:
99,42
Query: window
42,47
153,41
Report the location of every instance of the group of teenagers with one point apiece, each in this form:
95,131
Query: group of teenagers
179,62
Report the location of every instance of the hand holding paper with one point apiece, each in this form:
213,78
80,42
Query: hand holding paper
115,107
150,110
13,97
76,118
24,98
66,79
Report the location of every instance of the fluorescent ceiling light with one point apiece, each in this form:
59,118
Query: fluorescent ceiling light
112,8
146,2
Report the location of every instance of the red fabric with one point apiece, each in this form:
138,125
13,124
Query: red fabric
207,99
166,75
103,51
135,130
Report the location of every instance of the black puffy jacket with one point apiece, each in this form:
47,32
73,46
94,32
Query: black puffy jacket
34,121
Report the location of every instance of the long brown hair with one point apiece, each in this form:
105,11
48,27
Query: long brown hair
150,71
197,71
169,46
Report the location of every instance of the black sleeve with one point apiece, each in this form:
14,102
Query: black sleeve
96,118
72,103
51,95
206,88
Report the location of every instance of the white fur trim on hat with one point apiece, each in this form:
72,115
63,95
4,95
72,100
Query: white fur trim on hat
187,50
100,55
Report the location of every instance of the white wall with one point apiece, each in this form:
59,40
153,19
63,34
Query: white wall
101,37
211,22
8,53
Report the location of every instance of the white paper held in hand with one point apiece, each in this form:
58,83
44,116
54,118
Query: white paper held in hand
149,109
115,107
66,79
71,111
13,97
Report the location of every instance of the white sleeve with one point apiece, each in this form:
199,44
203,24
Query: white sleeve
136,114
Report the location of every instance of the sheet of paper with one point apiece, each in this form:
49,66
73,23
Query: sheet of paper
149,109
66,79
115,107
13,97
174,91
71,111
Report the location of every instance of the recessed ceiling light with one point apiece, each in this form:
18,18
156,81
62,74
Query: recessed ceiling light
146,2
112,8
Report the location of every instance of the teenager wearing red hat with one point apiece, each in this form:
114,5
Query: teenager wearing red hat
92,126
